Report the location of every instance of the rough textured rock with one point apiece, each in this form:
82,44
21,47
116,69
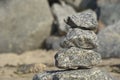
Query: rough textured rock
109,41
80,38
60,12
86,74
110,12
53,42
85,20
24,24
75,58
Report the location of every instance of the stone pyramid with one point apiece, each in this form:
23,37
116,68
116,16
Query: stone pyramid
77,58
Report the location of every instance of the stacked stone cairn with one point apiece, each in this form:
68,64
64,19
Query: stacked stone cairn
78,58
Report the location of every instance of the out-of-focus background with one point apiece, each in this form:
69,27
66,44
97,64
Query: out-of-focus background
31,31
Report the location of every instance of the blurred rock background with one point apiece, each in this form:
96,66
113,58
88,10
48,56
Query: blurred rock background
24,24
28,25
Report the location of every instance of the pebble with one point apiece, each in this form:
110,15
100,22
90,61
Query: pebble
86,20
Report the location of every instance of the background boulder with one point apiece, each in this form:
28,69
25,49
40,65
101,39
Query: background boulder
110,11
24,24
109,41
60,12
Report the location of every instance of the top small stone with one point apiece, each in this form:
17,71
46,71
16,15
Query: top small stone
86,20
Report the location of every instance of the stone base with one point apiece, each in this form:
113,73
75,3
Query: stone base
84,74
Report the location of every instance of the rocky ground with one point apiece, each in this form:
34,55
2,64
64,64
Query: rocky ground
25,66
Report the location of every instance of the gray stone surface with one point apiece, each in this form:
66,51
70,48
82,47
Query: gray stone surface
85,20
85,74
53,42
60,12
80,38
80,4
75,3
75,58
109,41
110,12
24,24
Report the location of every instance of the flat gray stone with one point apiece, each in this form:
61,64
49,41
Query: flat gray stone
60,12
85,20
24,24
80,38
109,41
75,58
85,74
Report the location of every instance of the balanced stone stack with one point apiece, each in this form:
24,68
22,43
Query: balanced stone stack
78,58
